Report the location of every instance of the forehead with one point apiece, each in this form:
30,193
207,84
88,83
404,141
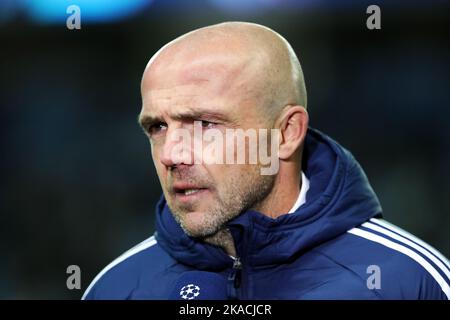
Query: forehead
209,82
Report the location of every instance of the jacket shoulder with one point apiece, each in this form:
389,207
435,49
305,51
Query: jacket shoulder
123,277
391,262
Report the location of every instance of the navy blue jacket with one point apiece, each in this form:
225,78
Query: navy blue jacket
335,246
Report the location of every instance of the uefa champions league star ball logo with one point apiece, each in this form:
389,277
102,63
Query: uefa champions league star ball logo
190,291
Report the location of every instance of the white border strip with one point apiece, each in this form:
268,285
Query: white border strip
409,243
395,246
411,237
138,248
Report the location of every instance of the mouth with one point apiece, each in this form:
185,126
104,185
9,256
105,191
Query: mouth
188,193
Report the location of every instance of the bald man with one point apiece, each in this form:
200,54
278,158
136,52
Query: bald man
311,228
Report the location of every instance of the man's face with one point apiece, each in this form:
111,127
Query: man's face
216,95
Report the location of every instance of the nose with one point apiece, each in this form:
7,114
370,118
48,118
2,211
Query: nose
177,148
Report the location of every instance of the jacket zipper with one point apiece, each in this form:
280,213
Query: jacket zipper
234,279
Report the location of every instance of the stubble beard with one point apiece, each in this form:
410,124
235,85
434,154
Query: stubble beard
241,192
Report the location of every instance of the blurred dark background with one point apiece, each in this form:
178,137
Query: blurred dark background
77,181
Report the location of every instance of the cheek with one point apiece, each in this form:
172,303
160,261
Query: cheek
160,168
224,176
216,176
156,152
153,149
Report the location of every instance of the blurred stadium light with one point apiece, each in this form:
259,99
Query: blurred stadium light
54,11
104,11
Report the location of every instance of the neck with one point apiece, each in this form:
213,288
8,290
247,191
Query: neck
224,240
284,192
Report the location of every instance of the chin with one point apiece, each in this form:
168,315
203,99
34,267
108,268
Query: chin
195,225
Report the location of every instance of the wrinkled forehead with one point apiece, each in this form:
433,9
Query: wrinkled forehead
218,68
220,79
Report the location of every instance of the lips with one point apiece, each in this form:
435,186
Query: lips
188,192
186,189
190,195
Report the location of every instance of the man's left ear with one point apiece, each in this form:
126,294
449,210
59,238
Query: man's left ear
293,124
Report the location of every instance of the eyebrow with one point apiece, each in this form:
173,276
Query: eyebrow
147,120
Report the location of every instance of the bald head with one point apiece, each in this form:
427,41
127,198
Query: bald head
249,60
